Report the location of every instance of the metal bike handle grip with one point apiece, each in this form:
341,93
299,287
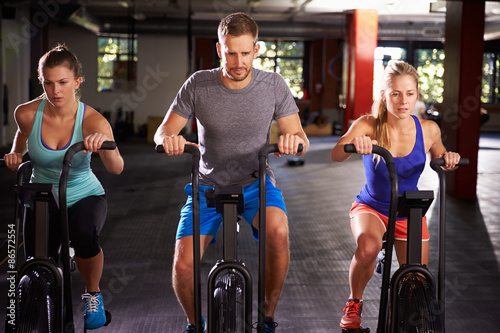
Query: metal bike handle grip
440,162
190,149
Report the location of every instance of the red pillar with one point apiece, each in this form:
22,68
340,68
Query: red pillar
460,119
362,35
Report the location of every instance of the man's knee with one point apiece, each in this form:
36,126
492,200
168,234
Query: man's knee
183,257
183,267
277,231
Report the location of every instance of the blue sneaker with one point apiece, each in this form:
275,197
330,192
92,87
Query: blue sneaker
269,325
191,328
95,316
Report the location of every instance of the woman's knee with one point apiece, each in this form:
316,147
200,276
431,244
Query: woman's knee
368,248
86,250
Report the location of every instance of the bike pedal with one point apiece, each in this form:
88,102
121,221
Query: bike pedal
72,265
108,317
380,262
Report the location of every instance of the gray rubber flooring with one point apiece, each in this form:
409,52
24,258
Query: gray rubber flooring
144,204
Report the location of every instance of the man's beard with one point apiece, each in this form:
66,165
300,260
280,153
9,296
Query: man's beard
240,77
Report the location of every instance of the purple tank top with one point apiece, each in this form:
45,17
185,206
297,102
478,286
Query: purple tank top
377,190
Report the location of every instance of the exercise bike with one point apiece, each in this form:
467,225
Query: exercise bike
229,281
413,305
39,293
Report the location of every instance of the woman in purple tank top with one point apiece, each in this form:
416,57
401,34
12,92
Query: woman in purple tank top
391,126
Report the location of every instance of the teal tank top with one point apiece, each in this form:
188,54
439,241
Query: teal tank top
47,162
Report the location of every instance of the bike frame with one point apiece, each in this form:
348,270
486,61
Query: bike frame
263,153
436,165
229,202
391,166
64,314
414,252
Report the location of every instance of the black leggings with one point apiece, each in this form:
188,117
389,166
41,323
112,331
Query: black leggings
85,218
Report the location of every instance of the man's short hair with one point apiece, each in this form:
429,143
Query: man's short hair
238,24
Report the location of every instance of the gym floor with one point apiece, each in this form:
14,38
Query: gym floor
144,204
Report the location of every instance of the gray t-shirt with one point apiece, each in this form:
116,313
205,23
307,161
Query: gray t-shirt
233,125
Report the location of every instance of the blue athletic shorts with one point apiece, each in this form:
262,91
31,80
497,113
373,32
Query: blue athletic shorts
211,221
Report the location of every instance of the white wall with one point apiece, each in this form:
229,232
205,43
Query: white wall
161,71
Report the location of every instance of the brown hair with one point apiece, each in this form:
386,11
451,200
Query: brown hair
379,108
57,56
238,24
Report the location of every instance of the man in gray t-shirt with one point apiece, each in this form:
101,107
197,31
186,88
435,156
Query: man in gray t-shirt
233,106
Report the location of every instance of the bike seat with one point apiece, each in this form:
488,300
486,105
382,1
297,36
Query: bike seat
414,199
220,195
31,192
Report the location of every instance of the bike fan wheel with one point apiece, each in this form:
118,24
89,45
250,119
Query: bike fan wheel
36,297
229,301
417,309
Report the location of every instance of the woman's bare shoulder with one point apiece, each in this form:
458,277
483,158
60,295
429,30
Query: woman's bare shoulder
366,123
25,113
30,106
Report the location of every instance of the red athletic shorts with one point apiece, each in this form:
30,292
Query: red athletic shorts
401,229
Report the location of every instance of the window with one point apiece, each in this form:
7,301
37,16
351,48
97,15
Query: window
429,63
116,63
430,69
382,56
285,58
491,77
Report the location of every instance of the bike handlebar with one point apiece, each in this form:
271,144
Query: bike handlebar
75,148
273,148
438,162
436,165
68,158
79,146
350,148
193,150
190,149
267,149
386,155
263,152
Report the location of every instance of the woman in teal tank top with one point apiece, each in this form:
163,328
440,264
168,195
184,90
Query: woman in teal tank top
47,127
408,139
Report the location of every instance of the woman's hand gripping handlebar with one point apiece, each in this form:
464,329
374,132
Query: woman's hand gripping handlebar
440,162
384,153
